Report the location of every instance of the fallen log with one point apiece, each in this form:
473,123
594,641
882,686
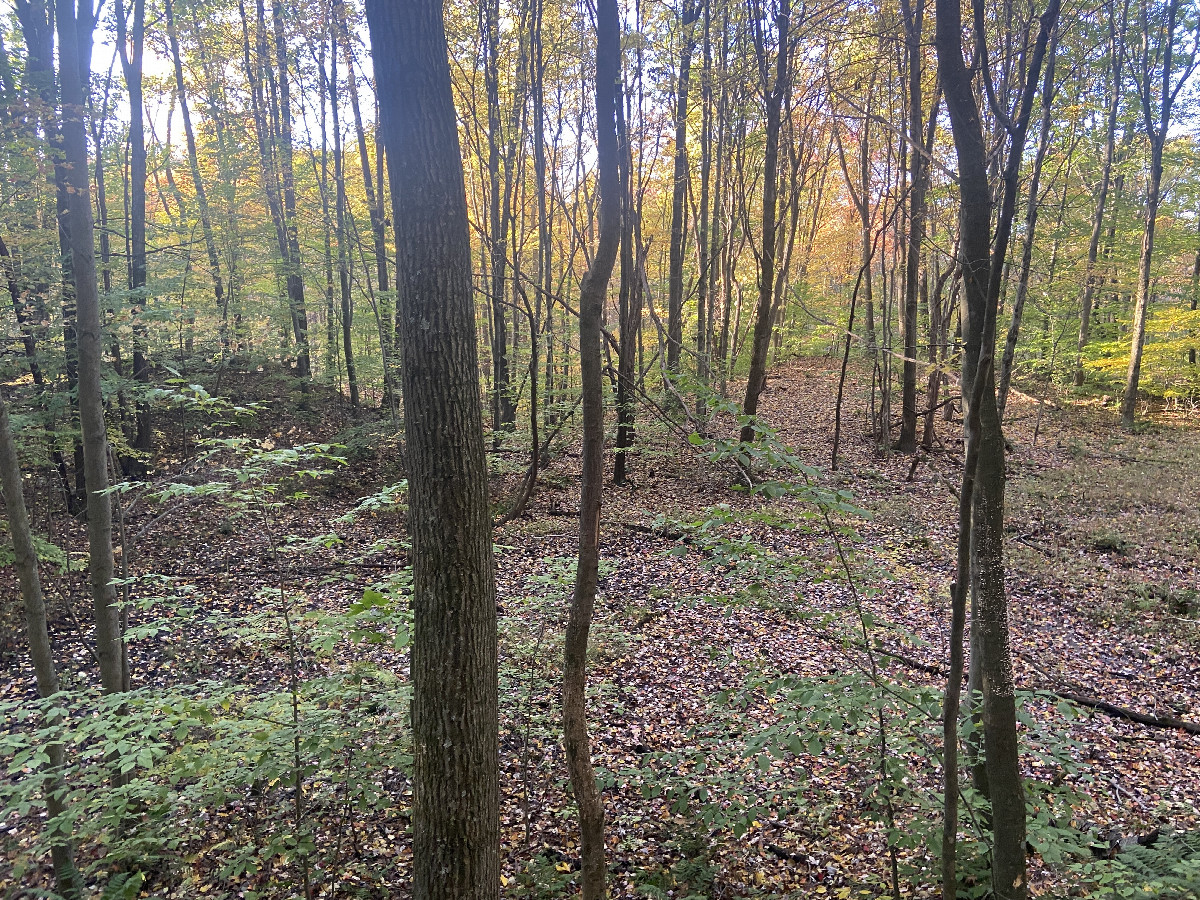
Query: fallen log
1120,712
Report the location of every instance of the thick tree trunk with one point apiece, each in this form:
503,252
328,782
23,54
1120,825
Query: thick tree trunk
456,821
37,18
75,42
592,294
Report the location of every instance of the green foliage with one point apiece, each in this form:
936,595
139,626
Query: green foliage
1169,869
226,757
729,542
193,398
691,875
768,467
391,498
543,878
248,475
47,552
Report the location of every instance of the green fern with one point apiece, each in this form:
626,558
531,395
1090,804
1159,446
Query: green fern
1170,868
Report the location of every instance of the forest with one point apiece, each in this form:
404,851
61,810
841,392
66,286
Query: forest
462,449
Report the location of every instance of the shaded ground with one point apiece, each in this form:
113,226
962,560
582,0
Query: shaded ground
1103,550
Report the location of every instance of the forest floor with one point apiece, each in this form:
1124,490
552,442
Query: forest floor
735,713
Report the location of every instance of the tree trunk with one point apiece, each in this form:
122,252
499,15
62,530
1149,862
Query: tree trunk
1195,291
592,293
75,42
704,250
210,243
629,306
981,510
1156,134
456,820
41,652
1142,301
1033,206
129,44
343,251
774,92
373,188
295,276
913,26
679,187
1116,50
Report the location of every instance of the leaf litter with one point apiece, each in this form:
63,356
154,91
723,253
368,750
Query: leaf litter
1103,605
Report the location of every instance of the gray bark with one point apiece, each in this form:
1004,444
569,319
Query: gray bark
456,822
75,42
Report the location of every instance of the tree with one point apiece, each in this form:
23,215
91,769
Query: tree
41,652
1032,206
1116,62
914,23
210,244
456,823
130,44
688,15
592,294
1158,87
774,85
343,249
980,572
272,112
75,27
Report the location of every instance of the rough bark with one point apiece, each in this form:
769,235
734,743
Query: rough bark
456,838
